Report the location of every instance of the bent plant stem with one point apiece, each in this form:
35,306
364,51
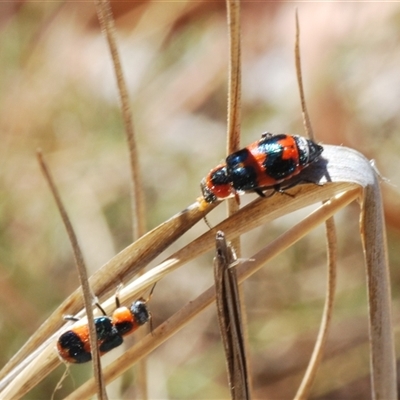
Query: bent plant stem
83,278
383,359
137,202
305,387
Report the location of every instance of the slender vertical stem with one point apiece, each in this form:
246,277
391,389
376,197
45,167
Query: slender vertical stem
137,201
83,277
234,77
305,388
234,120
234,91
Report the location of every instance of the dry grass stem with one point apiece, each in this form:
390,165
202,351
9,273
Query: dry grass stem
83,278
234,76
373,234
137,200
234,93
304,389
234,121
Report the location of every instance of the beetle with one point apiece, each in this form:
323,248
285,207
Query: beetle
264,164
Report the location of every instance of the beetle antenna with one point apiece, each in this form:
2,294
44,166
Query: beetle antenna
207,223
100,308
117,301
151,292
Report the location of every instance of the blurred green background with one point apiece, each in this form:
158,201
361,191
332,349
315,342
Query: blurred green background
58,92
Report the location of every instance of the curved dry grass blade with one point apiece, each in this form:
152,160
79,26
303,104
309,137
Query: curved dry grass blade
365,177
83,278
230,318
137,201
188,312
133,258
373,234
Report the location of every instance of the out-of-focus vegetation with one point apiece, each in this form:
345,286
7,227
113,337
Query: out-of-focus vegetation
58,92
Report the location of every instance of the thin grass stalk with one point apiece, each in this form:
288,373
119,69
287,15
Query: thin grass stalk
304,390
234,93
233,130
83,278
137,200
234,76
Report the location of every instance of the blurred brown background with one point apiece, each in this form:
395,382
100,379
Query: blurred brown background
58,92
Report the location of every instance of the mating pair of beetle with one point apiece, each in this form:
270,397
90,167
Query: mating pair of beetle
73,346
264,164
